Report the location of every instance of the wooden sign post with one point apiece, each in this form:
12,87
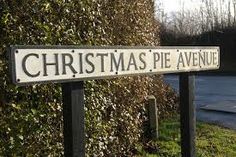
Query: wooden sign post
71,65
73,116
187,114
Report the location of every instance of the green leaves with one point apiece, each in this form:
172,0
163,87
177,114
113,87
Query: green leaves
31,117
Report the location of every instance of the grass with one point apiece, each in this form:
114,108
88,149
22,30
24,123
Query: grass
211,141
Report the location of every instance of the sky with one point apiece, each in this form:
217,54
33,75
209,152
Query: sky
175,5
170,5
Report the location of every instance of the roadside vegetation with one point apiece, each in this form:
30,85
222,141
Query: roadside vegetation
211,141
210,23
31,121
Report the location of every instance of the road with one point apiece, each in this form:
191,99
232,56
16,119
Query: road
215,99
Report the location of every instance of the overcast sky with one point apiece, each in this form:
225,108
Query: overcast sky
175,5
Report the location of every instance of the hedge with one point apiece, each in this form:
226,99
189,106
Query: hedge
31,117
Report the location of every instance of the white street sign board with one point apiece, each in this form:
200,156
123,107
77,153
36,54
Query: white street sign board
35,64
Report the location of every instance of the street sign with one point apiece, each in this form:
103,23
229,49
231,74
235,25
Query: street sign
72,65
37,64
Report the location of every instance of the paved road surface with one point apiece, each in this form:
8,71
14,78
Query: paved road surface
215,99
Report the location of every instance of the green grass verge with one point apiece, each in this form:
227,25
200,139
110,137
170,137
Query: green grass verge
212,141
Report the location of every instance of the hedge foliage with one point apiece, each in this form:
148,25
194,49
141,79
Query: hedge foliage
31,117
